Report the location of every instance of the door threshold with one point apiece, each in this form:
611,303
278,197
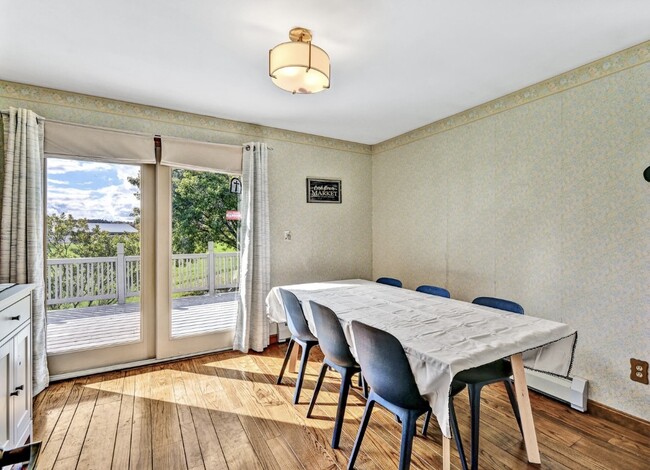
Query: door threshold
129,365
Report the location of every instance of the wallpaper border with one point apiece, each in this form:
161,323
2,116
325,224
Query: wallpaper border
600,68
49,96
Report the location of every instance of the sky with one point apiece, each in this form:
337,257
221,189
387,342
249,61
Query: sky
91,190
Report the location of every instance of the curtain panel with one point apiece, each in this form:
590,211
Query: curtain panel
21,219
252,327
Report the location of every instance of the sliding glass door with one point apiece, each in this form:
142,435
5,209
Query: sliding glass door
197,248
142,256
98,267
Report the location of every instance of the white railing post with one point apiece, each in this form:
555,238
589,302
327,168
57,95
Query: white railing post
211,268
121,274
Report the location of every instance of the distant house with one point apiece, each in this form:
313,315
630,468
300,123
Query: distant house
113,228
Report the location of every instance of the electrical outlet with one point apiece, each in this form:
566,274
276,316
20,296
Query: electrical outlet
287,235
639,371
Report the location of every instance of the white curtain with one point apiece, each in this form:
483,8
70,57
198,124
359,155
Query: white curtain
21,219
252,329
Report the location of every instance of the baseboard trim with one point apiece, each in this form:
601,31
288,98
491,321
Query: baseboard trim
619,417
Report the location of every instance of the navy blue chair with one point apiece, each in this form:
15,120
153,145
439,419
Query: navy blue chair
338,357
392,385
501,304
300,334
434,290
478,377
389,281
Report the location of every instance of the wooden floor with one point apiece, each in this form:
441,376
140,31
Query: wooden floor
107,325
224,411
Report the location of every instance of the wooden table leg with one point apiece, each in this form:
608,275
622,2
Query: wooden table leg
525,411
293,358
446,451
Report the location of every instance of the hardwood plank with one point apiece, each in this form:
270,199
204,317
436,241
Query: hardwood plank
99,444
74,439
168,450
122,449
52,446
236,447
141,455
191,445
51,405
213,457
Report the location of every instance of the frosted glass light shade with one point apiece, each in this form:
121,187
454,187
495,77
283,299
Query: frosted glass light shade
299,67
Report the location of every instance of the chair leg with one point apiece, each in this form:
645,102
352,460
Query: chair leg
321,377
427,418
362,430
475,411
454,429
346,382
513,402
406,447
286,360
364,385
301,375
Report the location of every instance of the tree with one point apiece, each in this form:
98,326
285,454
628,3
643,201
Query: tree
61,232
199,203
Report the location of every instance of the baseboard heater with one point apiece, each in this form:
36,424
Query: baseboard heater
573,391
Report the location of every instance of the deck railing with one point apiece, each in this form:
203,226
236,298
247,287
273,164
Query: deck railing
73,280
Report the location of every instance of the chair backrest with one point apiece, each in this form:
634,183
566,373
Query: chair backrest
434,290
385,366
295,316
501,304
331,337
390,281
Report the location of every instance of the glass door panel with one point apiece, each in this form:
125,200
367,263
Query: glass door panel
93,268
202,262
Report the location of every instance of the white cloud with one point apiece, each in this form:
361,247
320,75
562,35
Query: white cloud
115,200
54,181
59,166
110,202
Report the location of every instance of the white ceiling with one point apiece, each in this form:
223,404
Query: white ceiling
396,65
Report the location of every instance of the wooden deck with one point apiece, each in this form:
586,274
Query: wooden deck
109,325
224,411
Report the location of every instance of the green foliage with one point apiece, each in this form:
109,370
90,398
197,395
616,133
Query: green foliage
68,237
61,231
199,204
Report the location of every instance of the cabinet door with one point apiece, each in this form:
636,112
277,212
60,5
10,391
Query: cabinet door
22,386
6,354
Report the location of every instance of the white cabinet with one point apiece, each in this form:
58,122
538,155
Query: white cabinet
15,366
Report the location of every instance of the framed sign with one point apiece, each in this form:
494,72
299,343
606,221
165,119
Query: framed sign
323,190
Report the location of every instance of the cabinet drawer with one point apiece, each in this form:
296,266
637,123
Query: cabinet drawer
21,310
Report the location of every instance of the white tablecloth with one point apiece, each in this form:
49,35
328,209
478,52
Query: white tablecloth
441,336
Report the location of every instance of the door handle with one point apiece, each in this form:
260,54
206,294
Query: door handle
17,317
20,387
15,393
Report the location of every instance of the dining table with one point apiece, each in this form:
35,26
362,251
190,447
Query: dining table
442,337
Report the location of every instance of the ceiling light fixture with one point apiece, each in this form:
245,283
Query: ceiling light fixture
299,66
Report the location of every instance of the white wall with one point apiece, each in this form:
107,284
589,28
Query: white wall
544,204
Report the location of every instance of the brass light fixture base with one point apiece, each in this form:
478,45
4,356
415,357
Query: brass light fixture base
300,35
